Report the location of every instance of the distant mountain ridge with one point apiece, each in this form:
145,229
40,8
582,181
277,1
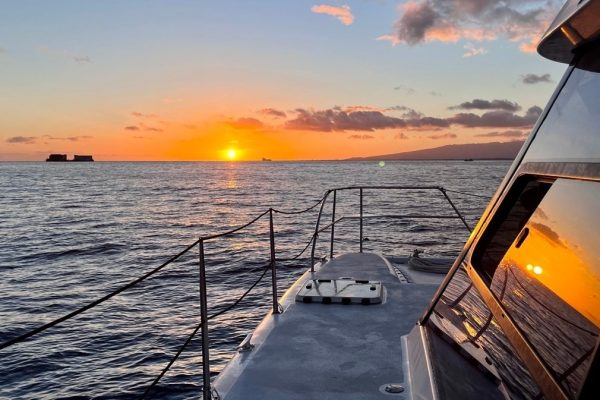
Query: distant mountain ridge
475,151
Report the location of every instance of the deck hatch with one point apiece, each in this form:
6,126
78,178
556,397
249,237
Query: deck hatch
345,291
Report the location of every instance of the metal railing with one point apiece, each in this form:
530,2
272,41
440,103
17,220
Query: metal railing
202,326
361,217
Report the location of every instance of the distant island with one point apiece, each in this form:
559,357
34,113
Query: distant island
472,151
63,158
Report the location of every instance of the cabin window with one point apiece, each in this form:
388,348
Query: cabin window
548,281
507,223
571,130
463,318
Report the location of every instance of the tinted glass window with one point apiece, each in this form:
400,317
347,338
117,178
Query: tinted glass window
521,202
571,131
549,280
463,316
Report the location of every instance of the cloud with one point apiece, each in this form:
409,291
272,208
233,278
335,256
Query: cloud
361,137
497,119
65,54
479,104
142,115
271,112
501,115
150,128
532,79
69,138
400,136
405,89
520,21
82,59
434,93
443,136
246,123
339,120
397,108
343,13
472,51
504,134
22,139
132,128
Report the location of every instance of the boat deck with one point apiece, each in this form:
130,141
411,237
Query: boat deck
332,351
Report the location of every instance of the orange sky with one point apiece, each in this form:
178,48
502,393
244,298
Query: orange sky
281,80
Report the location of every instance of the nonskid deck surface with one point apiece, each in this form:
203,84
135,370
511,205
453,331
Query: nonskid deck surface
334,351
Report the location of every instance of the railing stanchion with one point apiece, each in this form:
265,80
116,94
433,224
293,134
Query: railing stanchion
316,234
464,221
332,226
361,220
206,392
273,267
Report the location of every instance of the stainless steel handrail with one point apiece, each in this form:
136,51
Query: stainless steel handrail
361,217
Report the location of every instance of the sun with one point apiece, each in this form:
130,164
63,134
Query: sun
231,154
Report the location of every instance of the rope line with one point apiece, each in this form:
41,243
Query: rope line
301,211
299,254
234,230
95,302
197,328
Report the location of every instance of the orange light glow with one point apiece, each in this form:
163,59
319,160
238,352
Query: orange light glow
538,270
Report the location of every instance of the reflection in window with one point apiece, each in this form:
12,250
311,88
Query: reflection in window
549,281
525,196
462,315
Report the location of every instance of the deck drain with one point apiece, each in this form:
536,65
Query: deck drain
391,388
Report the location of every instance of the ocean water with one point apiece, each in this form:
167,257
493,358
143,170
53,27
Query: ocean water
72,232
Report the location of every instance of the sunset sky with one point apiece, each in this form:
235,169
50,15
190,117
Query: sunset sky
283,79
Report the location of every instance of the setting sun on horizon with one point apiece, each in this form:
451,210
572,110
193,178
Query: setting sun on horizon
231,154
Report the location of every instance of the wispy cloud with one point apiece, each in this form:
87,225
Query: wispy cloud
504,134
132,128
479,104
22,139
142,115
405,89
443,136
65,55
361,137
68,138
520,21
272,112
532,79
246,123
342,13
472,51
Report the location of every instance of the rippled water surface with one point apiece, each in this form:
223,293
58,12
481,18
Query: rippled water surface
72,232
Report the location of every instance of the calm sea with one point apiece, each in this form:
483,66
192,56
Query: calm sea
72,232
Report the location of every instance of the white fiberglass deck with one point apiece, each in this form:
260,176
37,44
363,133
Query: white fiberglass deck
331,351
